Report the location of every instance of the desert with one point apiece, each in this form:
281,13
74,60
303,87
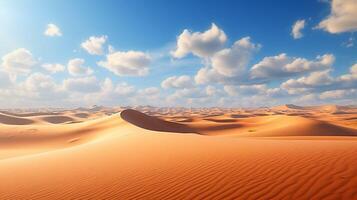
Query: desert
179,99
283,152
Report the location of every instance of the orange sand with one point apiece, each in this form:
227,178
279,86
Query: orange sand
285,152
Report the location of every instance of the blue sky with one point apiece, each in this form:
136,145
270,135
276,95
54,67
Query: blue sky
153,28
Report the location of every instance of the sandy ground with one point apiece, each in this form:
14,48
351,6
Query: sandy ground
284,152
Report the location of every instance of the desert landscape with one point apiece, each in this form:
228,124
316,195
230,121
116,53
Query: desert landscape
179,99
282,152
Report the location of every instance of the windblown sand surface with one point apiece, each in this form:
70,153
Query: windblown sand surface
284,152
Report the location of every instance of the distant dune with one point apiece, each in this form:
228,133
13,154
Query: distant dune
11,120
272,125
153,123
284,152
57,119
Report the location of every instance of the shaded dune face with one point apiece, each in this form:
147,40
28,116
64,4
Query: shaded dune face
11,120
57,119
153,123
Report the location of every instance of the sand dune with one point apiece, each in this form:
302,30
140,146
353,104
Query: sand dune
277,125
11,120
57,119
152,123
131,155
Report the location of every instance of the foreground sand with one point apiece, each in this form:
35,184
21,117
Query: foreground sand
285,152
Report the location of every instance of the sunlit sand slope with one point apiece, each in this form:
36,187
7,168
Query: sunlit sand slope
130,155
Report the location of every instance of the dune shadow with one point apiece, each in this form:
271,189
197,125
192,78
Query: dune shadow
10,120
240,116
153,123
81,115
222,120
57,119
31,114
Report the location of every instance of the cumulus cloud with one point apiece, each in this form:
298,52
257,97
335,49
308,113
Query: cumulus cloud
231,90
82,85
53,67
303,84
5,80
320,82
337,94
297,28
234,90
200,44
150,92
130,63
94,45
228,65
349,43
52,30
177,82
40,88
281,66
353,69
342,18
233,61
211,90
75,67
19,61
186,93
40,82
349,80
207,75
220,64
124,89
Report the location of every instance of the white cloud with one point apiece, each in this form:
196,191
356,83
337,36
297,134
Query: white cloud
353,69
19,61
211,90
207,75
130,63
5,80
233,61
40,82
150,92
94,45
244,90
283,66
200,44
52,30
228,65
124,89
337,94
305,83
187,93
321,81
82,85
75,67
342,18
40,88
349,80
349,43
53,67
177,82
297,28
231,90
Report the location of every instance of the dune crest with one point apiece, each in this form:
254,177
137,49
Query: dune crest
153,123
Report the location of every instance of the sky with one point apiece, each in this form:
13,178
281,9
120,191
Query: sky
63,53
